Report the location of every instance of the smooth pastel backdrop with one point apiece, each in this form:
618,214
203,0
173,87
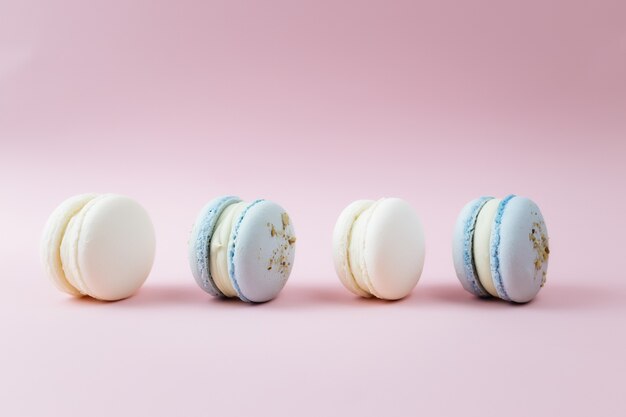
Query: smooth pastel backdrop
314,104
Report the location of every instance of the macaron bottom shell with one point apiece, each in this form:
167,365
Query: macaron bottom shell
481,248
200,240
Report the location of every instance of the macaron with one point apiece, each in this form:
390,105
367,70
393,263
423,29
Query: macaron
242,249
501,248
99,245
378,248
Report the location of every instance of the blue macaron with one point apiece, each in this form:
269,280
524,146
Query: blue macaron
242,249
501,248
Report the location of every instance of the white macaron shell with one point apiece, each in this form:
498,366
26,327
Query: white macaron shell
394,249
521,264
115,247
52,237
341,243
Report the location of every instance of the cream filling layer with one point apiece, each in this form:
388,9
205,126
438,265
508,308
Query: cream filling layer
482,238
218,250
69,249
356,250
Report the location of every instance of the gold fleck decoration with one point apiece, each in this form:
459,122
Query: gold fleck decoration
280,256
540,244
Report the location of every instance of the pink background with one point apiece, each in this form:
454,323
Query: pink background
314,104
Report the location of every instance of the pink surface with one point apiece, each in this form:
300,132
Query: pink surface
314,104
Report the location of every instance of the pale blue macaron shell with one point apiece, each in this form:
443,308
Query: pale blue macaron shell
260,260
200,240
463,247
517,266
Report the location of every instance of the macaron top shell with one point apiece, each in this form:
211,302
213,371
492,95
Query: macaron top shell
116,245
519,249
199,242
393,249
261,251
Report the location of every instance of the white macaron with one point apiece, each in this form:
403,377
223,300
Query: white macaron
378,248
98,245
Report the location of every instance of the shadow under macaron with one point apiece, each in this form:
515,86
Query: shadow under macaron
295,296
304,296
556,297
152,295
298,296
